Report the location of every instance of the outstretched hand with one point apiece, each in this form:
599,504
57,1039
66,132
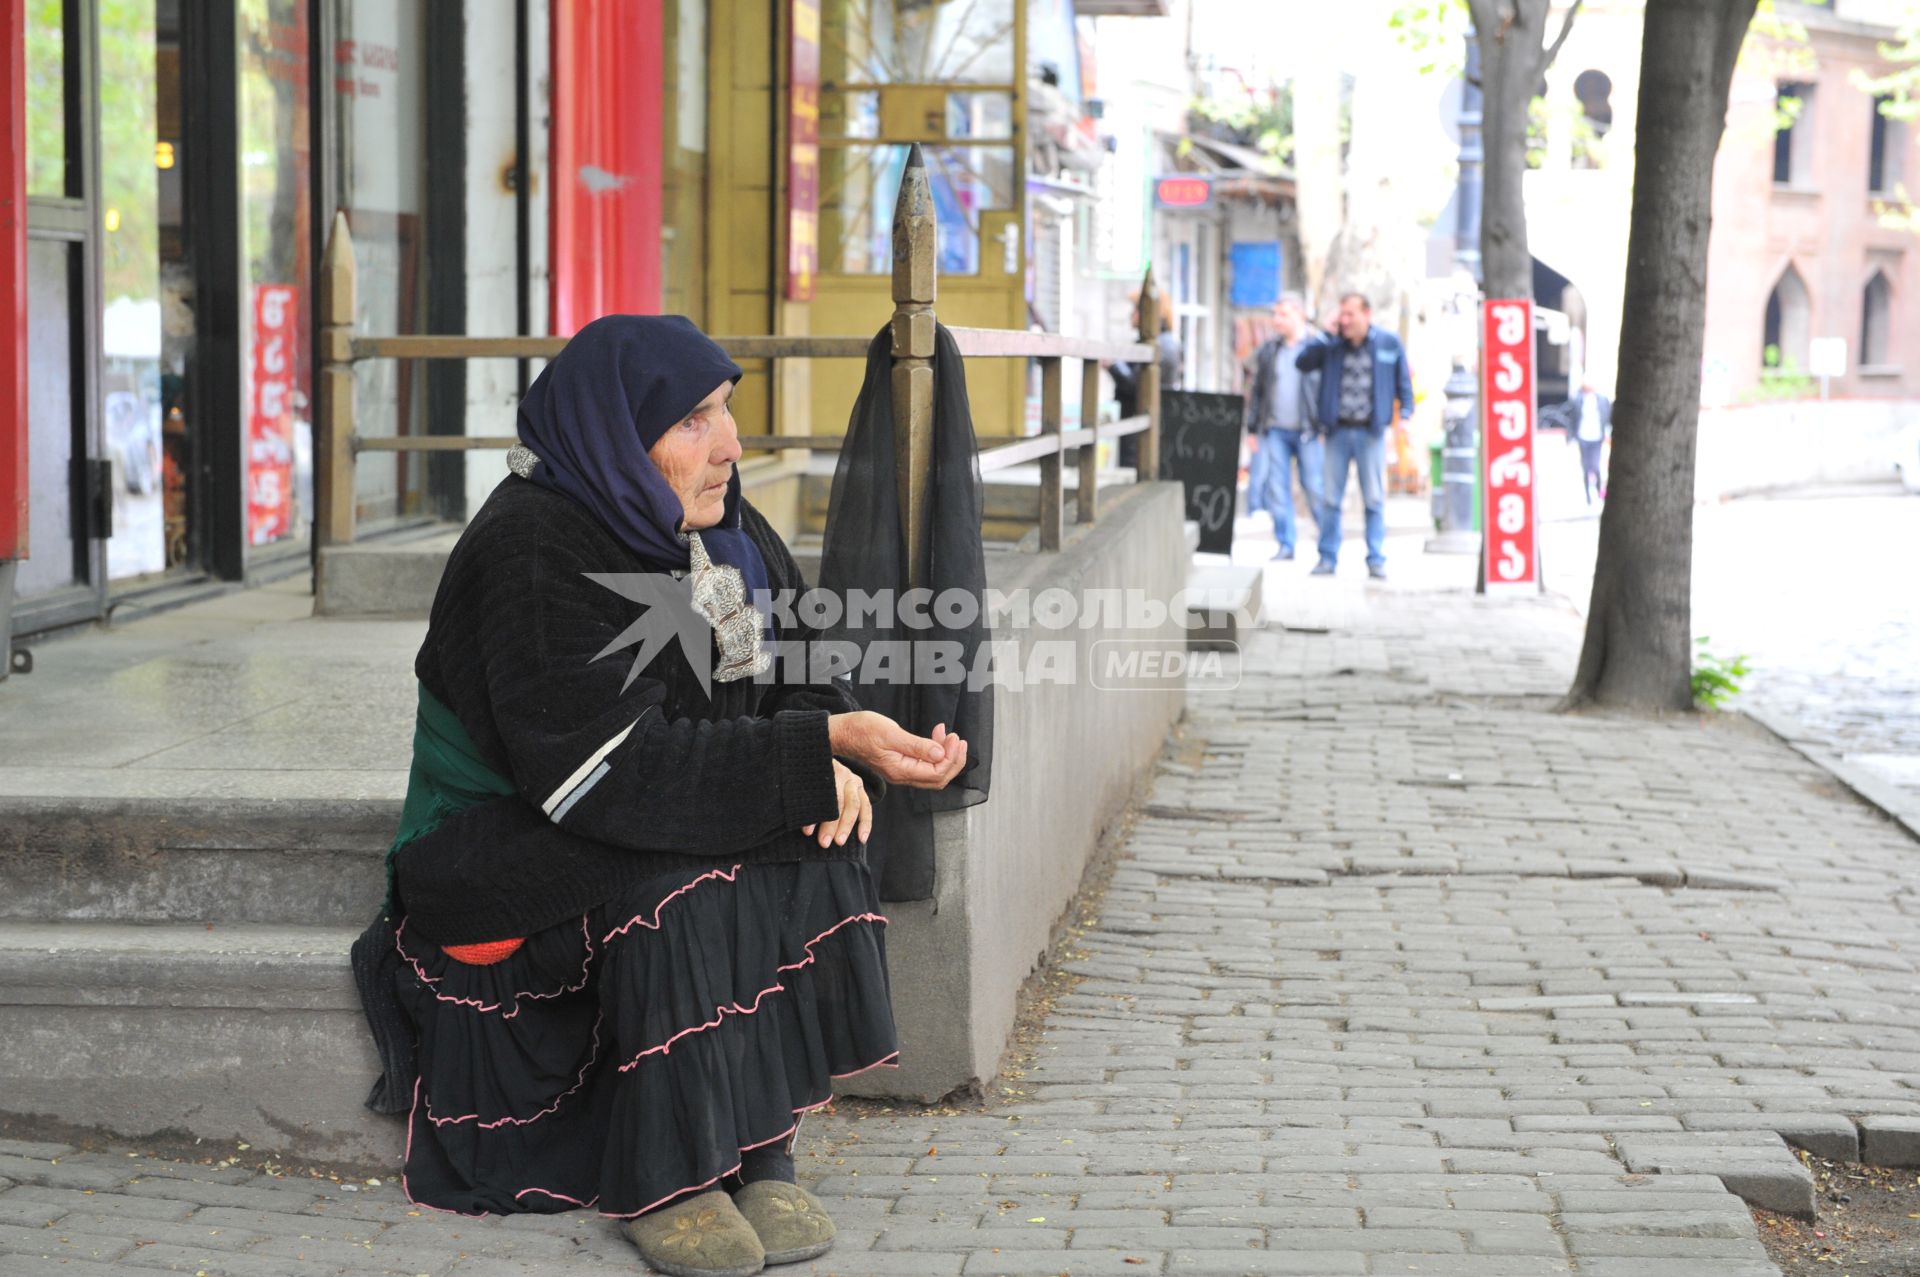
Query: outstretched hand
900,757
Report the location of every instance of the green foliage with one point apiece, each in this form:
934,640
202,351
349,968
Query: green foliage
1900,86
1263,120
1780,378
1716,679
1433,29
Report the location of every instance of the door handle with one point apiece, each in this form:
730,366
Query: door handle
99,491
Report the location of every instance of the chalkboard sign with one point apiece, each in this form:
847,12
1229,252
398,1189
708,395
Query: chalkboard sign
1200,446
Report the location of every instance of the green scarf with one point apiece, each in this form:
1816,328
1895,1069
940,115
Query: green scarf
447,777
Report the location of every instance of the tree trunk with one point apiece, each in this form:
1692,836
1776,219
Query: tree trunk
1511,36
1638,651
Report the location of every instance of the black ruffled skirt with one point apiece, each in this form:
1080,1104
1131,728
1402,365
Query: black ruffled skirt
630,1056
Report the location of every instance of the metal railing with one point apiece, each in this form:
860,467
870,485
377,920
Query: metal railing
915,285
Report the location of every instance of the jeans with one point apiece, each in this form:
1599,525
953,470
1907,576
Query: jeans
1366,450
1270,478
1591,480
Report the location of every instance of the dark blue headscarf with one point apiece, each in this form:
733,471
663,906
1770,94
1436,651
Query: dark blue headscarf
607,397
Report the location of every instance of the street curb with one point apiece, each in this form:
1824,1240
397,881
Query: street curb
1889,799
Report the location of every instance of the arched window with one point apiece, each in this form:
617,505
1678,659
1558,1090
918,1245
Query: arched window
1876,318
1788,325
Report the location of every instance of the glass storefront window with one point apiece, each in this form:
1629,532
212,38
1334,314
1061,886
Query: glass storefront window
916,42
132,355
47,98
276,301
379,123
683,195
858,186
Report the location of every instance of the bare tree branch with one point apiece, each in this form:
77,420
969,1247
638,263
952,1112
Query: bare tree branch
1566,27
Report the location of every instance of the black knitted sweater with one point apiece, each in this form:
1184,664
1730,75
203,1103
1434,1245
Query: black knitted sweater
643,779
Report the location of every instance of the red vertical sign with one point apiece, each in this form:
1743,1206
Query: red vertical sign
803,153
13,286
270,414
607,140
1507,511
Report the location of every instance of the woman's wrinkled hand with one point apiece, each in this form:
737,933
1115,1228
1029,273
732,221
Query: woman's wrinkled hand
896,754
856,811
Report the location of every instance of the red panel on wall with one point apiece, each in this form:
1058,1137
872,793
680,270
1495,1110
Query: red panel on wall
607,138
13,282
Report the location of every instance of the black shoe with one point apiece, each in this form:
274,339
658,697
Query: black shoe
1378,571
1323,568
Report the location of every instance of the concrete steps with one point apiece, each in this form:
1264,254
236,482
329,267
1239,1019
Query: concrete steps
180,967
220,1031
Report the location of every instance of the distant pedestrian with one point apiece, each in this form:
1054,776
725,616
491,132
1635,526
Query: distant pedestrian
1365,373
1173,358
1280,417
1590,426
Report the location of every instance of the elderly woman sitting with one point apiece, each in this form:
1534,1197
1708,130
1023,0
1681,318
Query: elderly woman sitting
636,935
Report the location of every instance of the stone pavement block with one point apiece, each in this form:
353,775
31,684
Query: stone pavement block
313,1224
1004,1236
27,1213
1776,1182
80,1170
1419,1264
1823,1134
1266,1263
188,1233
37,1149
1437,1241
355,1256
1034,1263
242,1196
62,1200
1640,1266
33,1265
1197,1237
58,1243
1276,1216
1662,1223
185,1259
1665,1246
1890,1141
490,1266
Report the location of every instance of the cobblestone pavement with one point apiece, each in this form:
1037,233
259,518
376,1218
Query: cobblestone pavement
1820,594
1398,972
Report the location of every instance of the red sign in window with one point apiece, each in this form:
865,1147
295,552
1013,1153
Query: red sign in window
270,414
1183,192
1508,514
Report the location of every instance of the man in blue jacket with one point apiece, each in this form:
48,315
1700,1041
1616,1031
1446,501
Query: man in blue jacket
1363,372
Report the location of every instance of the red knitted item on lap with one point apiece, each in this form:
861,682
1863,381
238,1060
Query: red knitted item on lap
481,955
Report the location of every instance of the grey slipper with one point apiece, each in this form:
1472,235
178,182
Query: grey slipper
791,1223
704,1236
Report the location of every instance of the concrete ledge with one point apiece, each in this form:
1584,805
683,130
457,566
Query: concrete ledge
395,577
1066,760
301,861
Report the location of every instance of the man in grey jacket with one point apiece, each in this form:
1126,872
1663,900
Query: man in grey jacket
1279,416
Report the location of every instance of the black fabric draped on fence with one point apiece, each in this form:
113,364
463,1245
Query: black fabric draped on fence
865,550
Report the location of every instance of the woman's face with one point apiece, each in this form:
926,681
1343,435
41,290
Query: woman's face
696,455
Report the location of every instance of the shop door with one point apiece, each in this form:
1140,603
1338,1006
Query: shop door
112,472
947,76
63,578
